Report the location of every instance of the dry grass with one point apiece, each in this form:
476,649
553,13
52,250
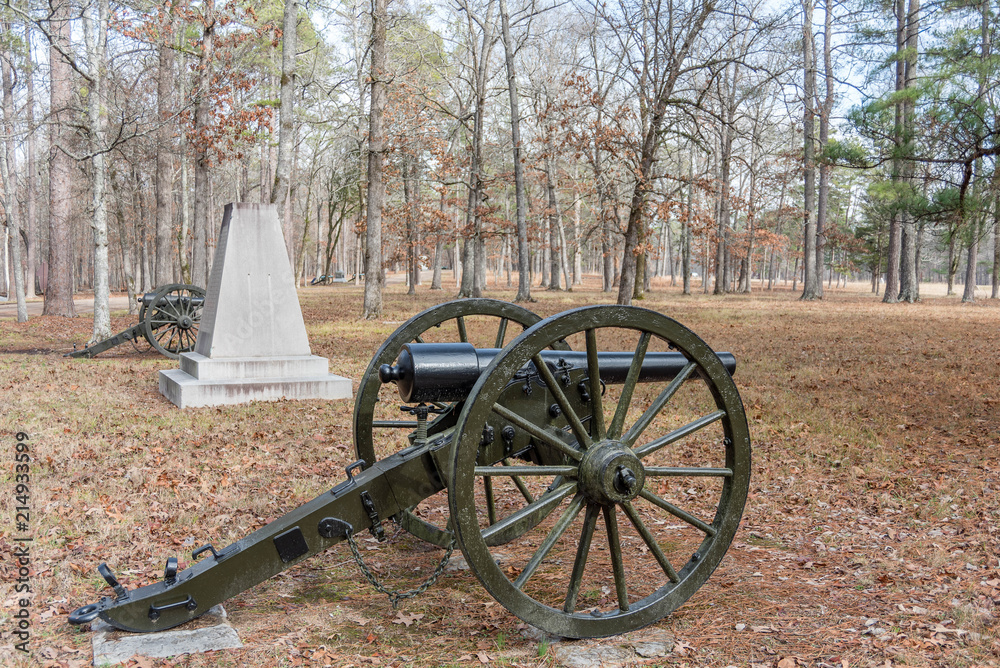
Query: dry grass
870,533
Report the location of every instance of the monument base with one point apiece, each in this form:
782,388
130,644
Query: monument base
204,381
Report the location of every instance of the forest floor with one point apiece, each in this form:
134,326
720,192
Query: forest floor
870,536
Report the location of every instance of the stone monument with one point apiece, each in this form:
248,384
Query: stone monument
252,343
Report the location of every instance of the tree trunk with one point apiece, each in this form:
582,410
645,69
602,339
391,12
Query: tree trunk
96,34
165,80
909,290
439,245
822,205
7,162
523,256
31,204
374,278
894,252
286,118
725,159
59,287
686,226
969,294
410,200
809,278
203,162
995,293
553,215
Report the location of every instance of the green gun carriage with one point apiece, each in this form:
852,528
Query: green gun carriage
592,470
168,322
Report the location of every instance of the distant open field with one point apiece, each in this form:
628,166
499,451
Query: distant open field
871,535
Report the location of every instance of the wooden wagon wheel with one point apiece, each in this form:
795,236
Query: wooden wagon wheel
379,427
171,320
646,493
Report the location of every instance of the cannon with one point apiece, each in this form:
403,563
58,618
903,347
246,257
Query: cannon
168,322
592,470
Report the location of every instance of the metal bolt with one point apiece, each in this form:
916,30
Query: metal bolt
555,411
625,480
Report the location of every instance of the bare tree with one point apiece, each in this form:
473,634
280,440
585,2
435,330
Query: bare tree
909,289
482,27
165,79
809,271
524,278
95,19
8,167
202,148
374,279
59,286
659,36
286,122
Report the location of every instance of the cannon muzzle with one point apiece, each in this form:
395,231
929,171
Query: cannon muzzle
427,372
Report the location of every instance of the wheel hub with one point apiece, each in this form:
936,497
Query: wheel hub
185,322
611,473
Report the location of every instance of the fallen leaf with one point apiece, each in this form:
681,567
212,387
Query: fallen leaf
407,619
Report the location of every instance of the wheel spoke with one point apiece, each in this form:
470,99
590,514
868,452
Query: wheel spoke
677,512
582,550
463,335
678,434
521,487
501,332
514,524
536,431
515,471
491,502
418,339
172,331
574,508
615,430
170,307
681,472
650,541
582,437
615,549
654,409
596,400
164,331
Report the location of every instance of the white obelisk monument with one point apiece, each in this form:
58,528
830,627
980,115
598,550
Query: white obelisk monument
252,343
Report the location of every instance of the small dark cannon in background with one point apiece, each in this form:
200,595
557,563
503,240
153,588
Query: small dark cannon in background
168,321
593,470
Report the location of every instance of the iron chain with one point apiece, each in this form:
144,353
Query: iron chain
396,596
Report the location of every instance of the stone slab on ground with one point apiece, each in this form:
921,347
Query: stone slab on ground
590,656
212,632
252,343
635,647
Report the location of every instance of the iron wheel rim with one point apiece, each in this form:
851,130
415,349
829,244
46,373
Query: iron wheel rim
466,514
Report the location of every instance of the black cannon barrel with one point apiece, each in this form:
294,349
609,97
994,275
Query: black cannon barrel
148,297
447,371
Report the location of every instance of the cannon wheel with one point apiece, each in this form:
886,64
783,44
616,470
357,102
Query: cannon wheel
455,313
171,326
648,529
